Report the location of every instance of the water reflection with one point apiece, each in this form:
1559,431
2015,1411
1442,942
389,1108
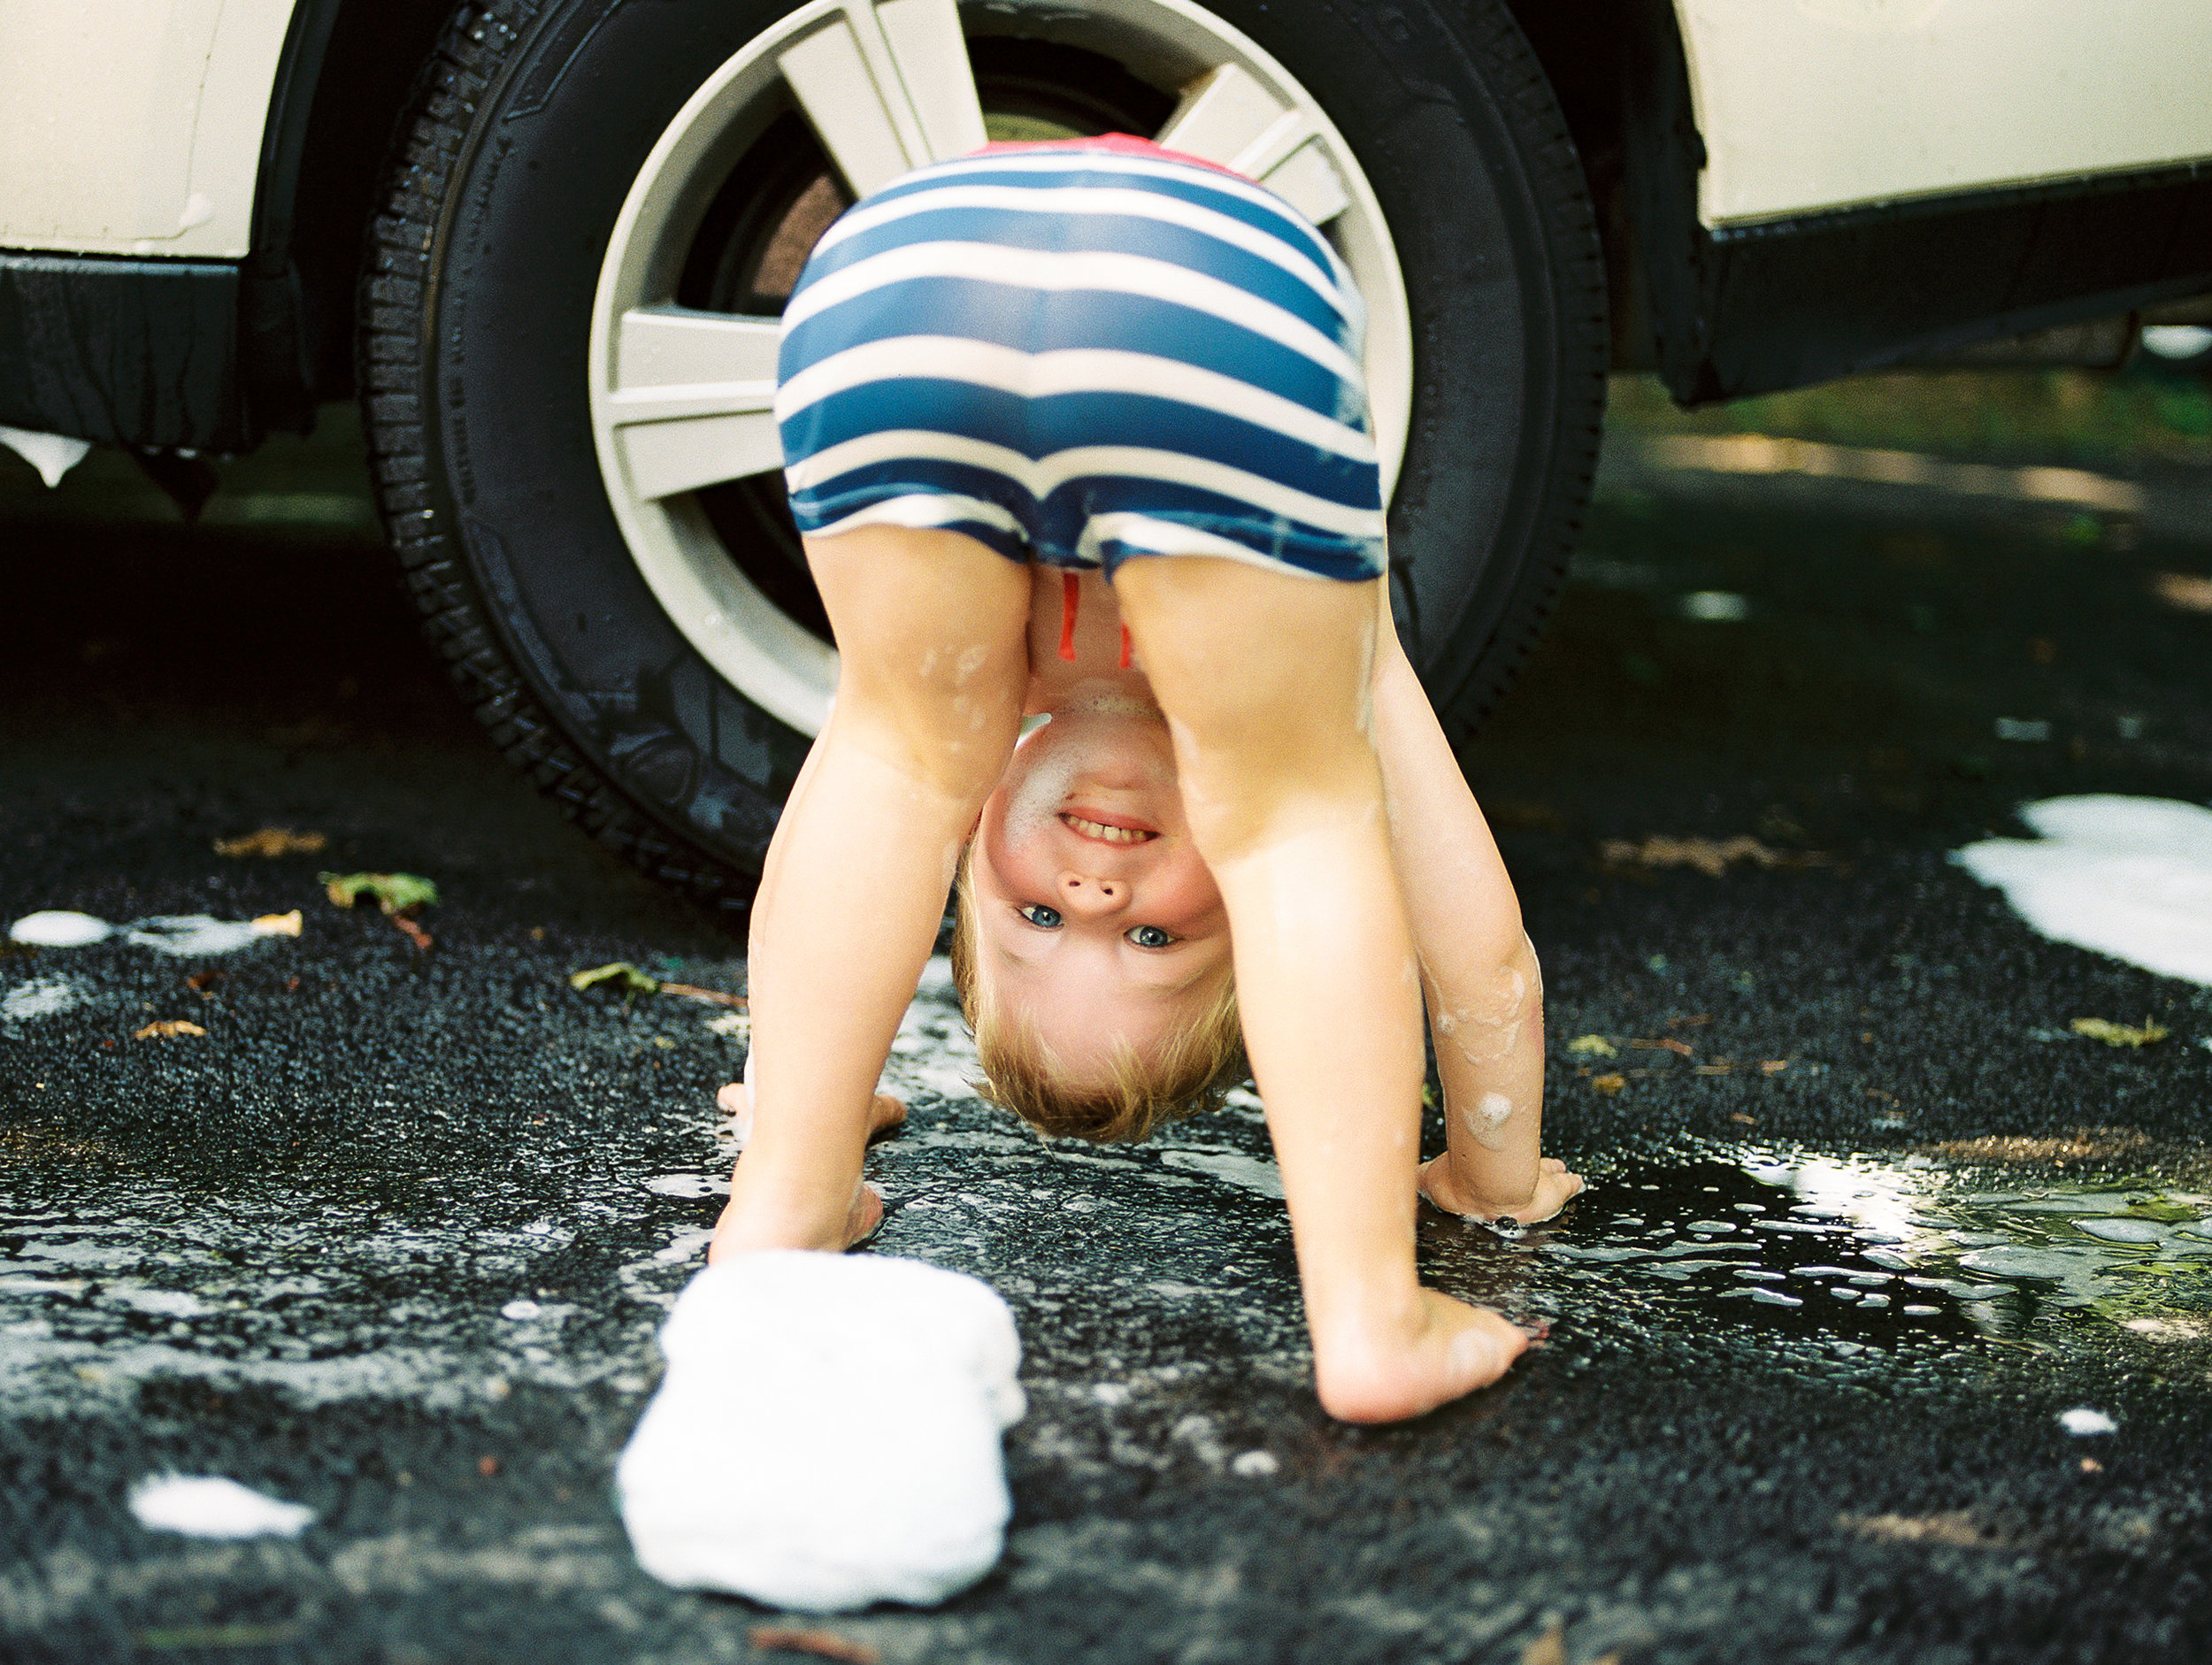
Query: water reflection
1858,1253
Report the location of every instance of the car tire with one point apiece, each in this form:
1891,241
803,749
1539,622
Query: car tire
579,572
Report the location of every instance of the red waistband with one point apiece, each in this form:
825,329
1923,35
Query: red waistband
1118,143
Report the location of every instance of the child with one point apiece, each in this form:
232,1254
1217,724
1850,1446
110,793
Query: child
1144,370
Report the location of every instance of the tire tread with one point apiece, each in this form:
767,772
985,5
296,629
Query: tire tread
474,50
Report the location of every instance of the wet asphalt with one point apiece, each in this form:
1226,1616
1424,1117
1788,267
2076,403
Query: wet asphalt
392,1238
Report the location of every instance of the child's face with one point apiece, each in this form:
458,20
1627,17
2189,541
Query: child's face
1097,921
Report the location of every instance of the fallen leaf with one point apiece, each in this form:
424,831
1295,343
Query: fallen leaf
1592,1047
1713,1069
1608,1085
1710,856
415,933
2118,1035
487,1466
1680,1047
271,841
1748,1121
200,982
1690,1023
278,925
1956,1529
2184,590
2081,1144
1548,1649
167,1029
1774,1066
692,991
741,1024
2090,1465
821,1643
394,892
621,972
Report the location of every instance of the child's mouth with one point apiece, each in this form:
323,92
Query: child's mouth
1083,826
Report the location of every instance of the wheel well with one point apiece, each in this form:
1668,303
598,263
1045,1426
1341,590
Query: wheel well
1584,48
344,83
358,59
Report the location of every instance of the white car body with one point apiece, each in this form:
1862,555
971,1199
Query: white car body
138,130
527,232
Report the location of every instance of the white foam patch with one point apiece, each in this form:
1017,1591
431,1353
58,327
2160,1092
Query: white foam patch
53,455
208,1506
770,1463
2127,876
193,933
161,1303
186,934
1248,1173
687,1186
57,928
2083,1420
41,997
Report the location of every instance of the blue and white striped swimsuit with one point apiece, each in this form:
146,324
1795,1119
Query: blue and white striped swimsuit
1079,352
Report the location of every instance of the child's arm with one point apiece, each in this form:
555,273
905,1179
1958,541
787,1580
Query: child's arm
1479,971
1264,679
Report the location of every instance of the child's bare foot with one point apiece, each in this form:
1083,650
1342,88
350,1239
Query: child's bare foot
1554,1188
734,1235
1426,1356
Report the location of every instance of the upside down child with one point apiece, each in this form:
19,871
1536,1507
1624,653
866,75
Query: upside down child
1077,431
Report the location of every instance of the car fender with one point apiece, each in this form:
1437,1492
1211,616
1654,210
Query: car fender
141,133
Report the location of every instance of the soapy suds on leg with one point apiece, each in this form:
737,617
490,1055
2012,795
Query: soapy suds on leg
1487,1119
1489,1039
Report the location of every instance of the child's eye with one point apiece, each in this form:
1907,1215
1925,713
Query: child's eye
1039,916
1150,936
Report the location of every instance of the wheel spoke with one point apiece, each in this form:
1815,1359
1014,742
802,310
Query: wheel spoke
1226,116
692,404
887,86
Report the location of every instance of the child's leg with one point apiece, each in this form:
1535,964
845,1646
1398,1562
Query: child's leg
1264,677
930,629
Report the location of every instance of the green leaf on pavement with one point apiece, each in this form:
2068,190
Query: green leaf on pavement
621,973
394,892
1592,1047
2118,1035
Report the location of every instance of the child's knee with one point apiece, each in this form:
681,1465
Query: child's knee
954,737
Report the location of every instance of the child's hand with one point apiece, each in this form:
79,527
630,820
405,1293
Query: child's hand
1554,1186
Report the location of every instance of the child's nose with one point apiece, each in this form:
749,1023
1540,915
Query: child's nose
1093,898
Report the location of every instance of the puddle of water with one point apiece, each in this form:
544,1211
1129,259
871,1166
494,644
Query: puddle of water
1861,1253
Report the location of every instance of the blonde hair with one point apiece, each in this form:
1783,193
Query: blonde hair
1190,1071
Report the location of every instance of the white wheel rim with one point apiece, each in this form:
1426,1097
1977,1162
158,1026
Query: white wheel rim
681,399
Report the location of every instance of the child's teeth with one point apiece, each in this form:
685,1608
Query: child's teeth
1098,830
